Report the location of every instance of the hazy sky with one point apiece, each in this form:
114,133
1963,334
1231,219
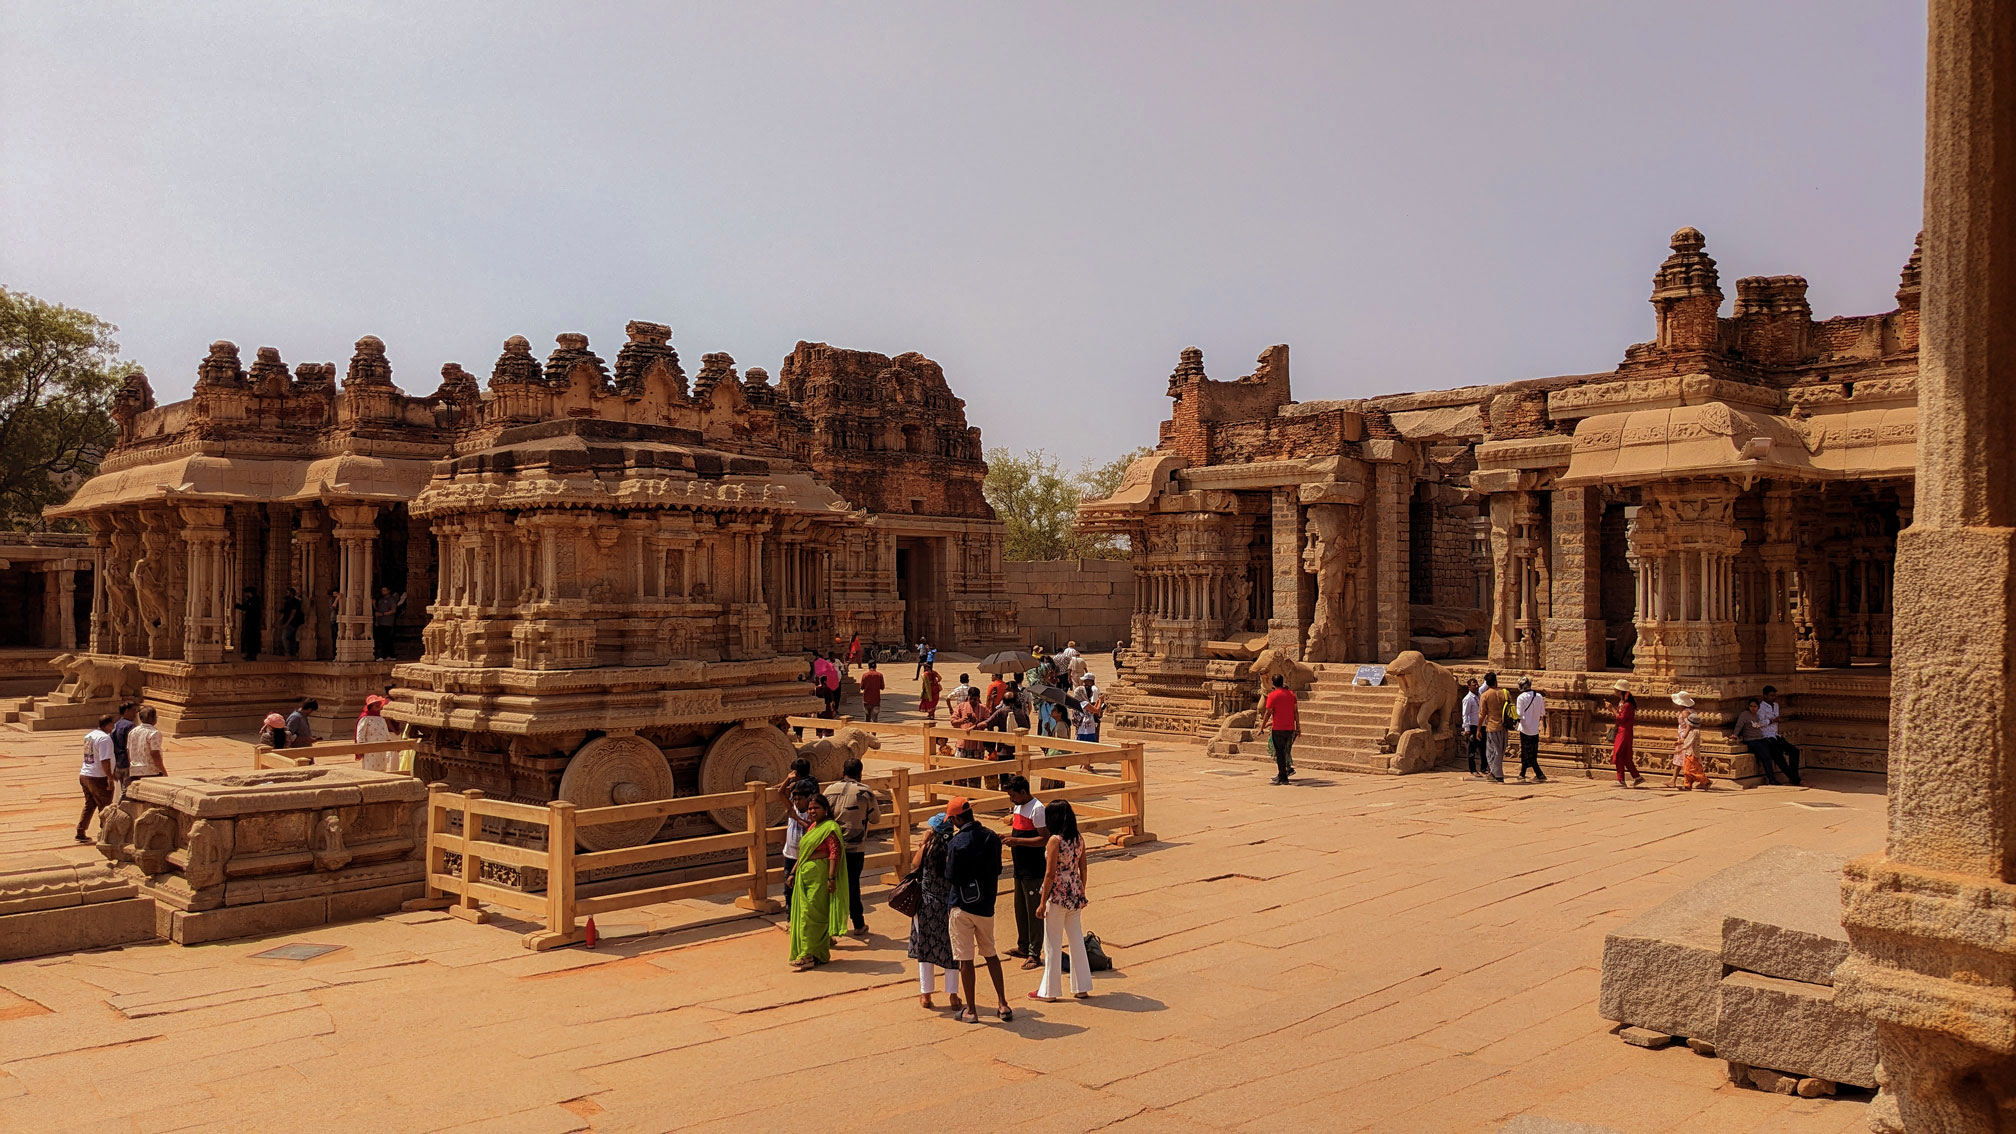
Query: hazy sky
1052,201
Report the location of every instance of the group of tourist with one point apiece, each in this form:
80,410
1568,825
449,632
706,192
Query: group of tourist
125,746
1490,717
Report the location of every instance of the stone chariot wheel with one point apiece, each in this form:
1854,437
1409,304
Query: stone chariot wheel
616,769
744,752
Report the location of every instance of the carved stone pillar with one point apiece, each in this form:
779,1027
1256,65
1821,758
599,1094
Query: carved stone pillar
152,592
279,573
1504,581
1330,558
356,539
1932,921
126,636
101,543
1528,574
208,607
66,606
309,573
1285,626
1683,542
1575,630
1780,554
1392,490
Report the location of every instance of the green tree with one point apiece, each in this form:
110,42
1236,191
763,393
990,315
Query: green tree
58,370
1038,503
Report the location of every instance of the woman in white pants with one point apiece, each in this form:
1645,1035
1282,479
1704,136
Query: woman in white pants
1062,897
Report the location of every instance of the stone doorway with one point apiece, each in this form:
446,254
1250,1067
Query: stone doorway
920,583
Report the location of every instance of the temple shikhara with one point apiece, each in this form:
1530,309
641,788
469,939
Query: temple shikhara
1718,513
620,546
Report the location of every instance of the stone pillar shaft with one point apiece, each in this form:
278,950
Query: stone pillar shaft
1932,922
1575,630
356,537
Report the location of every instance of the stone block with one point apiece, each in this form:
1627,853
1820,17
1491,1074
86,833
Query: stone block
373,902
196,927
1431,648
1644,1037
1793,1027
1663,970
1790,927
66,929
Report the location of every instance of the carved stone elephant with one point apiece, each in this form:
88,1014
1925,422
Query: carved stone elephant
1273,661
829,753
1430,697
90,678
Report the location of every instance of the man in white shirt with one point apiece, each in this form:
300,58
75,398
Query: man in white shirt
1532,708
96,775
143,747
1065,655
1768,712
960,690
1473,729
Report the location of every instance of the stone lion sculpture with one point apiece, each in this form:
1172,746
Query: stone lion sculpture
1426,712
88,678
829,753
1272,662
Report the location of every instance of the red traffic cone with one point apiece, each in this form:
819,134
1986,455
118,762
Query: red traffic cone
589,933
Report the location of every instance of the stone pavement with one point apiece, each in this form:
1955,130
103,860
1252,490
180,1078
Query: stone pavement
1351,952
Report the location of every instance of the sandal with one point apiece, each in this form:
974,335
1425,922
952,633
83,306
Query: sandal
802,964
1081,996
968,1016
1007,1013
1032,963
1044,999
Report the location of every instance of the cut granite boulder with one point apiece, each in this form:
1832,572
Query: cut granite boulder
1793,1027
1790,927
1664,970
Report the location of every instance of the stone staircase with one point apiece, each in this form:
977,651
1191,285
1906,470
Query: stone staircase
1341,727
52,711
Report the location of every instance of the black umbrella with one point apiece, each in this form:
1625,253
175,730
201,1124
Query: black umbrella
1056,696
1007,661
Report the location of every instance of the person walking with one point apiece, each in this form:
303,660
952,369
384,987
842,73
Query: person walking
121,760
1532,710
930,938
1769,713
95,777
922,649
1027,836
826,683
1085,715
1473,729
872,684
796,787
301,730
292,614
143,748
973,868
854,808
1748,729
1277,718
1491,707
927,693
1059,903
250,622
1687,746
1621,735
818,888
969,718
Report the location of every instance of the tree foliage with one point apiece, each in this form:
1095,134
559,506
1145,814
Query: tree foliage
1037,502
58,370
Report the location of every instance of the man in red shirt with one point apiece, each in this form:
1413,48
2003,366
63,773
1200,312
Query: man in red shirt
1277,714
871,693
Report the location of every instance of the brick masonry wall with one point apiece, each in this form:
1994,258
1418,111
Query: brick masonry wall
1086,600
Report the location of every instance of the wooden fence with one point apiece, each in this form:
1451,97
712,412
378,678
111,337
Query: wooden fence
456,825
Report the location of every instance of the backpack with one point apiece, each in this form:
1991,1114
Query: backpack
1511,714
1095,955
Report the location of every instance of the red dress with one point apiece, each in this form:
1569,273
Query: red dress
1620,749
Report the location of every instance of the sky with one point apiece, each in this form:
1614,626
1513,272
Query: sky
1050,200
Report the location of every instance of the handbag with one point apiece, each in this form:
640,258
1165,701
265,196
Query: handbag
1095,955
908,896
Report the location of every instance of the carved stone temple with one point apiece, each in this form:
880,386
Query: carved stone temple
574,518
1718,513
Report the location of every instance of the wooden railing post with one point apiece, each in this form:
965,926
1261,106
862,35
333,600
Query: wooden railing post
432,856
899,800
466,907
758,824
559,878
1134,767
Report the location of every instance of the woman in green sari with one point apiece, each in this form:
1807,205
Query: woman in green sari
818,888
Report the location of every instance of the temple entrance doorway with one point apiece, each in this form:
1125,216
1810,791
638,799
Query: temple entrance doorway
920,583
1619,586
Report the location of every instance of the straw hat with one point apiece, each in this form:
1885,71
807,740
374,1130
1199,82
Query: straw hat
1683,699
1621,685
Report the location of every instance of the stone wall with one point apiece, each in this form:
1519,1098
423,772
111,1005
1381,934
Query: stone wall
1084,600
